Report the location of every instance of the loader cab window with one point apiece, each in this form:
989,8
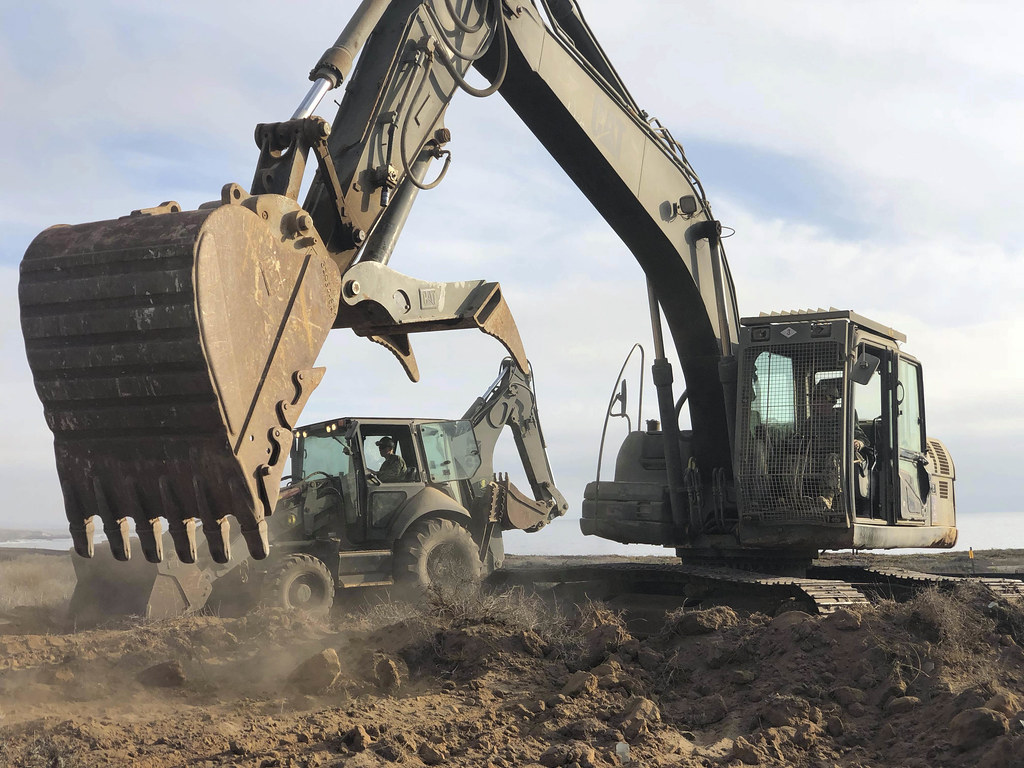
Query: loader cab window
318,451
401,435
451,450
323,454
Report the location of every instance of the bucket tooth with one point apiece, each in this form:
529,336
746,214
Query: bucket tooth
215,530
119,539
218,540
183,534
115,529
81,536
150,533
174,514
256,540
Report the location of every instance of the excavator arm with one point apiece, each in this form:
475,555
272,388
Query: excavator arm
173,350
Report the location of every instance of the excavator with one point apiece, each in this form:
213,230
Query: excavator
173,350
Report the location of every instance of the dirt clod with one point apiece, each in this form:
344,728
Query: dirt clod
704,622
901,704
167,674
433,754
386,674
973,727
639,715
1004,702
317,673
357,739
581,683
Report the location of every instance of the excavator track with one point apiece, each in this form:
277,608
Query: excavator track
823,596
824,590
172,352
900,582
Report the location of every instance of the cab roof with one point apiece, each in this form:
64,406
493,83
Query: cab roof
823,315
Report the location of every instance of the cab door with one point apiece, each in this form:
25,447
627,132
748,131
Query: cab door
384,500
914,477
451,453
873,469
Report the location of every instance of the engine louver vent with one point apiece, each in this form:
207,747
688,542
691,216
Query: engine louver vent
938,453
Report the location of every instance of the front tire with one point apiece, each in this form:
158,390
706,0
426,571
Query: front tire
437,553
300,583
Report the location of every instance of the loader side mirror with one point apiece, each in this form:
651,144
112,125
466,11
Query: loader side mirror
864,368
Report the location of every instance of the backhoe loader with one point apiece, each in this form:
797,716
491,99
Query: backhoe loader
341,522
173,350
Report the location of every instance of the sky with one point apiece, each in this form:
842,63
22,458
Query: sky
866,156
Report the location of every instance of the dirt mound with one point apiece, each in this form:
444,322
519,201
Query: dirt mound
504,680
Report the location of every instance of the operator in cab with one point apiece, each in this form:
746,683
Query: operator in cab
393,469
827,431
827,417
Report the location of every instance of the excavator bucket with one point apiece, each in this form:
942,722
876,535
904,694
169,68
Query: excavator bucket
172,351
107,589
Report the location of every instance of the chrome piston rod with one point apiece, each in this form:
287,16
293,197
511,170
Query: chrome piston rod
336,62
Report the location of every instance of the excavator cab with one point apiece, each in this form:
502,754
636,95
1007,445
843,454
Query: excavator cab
830,437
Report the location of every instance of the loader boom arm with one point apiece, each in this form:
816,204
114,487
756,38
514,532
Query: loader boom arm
510,402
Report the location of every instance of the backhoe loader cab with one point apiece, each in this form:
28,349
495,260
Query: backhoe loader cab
830,435
337,489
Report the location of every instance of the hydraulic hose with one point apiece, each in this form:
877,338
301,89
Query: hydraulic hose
459,22
503,57
401,140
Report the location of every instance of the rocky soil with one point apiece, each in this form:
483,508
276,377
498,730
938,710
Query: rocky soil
505,680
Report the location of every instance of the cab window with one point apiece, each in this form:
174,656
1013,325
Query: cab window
908,399
774,392
451,450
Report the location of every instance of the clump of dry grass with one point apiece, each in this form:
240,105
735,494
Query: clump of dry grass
36,580
509,612
444,608
939,630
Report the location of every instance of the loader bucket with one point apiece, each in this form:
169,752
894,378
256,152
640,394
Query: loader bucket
106,589
173,353
517,511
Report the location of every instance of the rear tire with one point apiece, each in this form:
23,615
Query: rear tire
299,583
437,553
